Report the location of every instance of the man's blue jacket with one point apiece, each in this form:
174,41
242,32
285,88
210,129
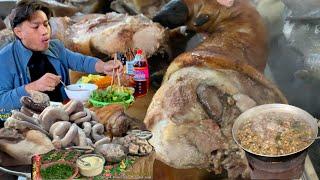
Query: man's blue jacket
14,72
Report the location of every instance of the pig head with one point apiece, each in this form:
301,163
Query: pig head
204,90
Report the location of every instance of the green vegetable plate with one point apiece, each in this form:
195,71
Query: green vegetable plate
126,103
112,95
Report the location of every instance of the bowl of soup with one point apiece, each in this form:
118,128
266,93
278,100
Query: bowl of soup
80,92
274,130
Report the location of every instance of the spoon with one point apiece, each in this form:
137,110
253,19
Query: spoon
63,84
85,163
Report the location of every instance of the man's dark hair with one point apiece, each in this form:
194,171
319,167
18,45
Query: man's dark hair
25,9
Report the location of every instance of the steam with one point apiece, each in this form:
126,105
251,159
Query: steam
294,50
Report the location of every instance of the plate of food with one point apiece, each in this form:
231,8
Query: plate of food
112,95
100,81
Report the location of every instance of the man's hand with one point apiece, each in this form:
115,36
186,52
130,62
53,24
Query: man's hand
47,82
107,67
110,65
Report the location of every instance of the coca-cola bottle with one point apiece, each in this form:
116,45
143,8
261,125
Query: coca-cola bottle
141,75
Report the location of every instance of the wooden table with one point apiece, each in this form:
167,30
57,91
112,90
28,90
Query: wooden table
140,106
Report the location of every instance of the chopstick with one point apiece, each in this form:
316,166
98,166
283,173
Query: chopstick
114,60
118,76
115,73
119,82
112,77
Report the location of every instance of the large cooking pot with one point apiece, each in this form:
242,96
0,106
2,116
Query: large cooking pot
277,109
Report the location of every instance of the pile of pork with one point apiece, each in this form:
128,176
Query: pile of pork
39,128
102,35
62,7
133,7
105,34
206,89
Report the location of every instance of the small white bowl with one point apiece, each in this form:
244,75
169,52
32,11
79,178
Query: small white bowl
80,92
94,167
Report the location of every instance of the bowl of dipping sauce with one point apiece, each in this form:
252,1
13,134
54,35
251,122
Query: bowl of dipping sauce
90,164
80,92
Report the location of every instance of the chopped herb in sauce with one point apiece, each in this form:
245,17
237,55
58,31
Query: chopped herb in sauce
57,171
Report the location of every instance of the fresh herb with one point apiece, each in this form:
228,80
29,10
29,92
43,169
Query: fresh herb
112,94
113,171
101,176
57,171
59,155
70,155
278,137
56,156
98,178
296,125
129,162
117,169
47,157
52,156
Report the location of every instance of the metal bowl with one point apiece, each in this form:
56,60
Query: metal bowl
277,109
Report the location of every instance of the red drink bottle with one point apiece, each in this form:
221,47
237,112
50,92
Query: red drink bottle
141,75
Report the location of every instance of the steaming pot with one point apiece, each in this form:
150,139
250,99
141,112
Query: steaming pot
265,110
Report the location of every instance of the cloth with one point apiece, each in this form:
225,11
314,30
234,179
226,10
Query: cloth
14,74
39,65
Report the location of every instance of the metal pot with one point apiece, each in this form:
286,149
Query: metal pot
278,109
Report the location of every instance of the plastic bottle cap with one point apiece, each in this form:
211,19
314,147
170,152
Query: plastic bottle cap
139,51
